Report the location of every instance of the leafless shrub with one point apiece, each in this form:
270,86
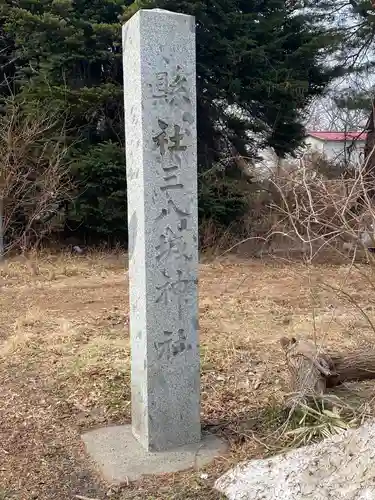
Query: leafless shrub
34,174
331,217
326,214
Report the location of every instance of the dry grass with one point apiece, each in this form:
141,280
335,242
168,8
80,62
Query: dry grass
64,364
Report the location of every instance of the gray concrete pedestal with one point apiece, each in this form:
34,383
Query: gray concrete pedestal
120,457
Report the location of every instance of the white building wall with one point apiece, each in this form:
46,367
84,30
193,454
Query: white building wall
335,150
314,144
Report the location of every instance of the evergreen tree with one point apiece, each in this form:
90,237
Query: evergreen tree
259,64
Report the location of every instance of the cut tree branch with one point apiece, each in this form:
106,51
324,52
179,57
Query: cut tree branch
313,371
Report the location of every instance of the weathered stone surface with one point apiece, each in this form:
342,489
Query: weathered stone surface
161,143
339,468
120,457
160,126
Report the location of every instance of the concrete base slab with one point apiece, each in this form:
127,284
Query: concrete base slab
120,457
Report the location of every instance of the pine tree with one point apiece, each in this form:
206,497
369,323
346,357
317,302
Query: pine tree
259,64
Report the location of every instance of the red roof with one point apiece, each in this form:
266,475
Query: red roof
339,136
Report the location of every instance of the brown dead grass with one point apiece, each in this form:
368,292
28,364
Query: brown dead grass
64,363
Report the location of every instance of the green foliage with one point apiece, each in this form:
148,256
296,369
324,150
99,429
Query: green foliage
221,199
358,42
259,64
70,52
68,55
354,101
99,211
352,25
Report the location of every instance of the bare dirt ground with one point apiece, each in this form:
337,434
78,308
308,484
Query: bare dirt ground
64,363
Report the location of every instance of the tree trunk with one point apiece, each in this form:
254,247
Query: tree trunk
361,204
313,371
370,141
356,365
2,248
369,170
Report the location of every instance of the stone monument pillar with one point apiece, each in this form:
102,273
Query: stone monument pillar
161,160
161,164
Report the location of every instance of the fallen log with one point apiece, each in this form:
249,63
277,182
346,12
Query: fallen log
352,366
313,371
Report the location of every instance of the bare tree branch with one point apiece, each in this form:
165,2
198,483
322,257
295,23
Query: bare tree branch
34,174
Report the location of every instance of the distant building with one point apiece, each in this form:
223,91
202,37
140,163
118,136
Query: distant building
337,146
